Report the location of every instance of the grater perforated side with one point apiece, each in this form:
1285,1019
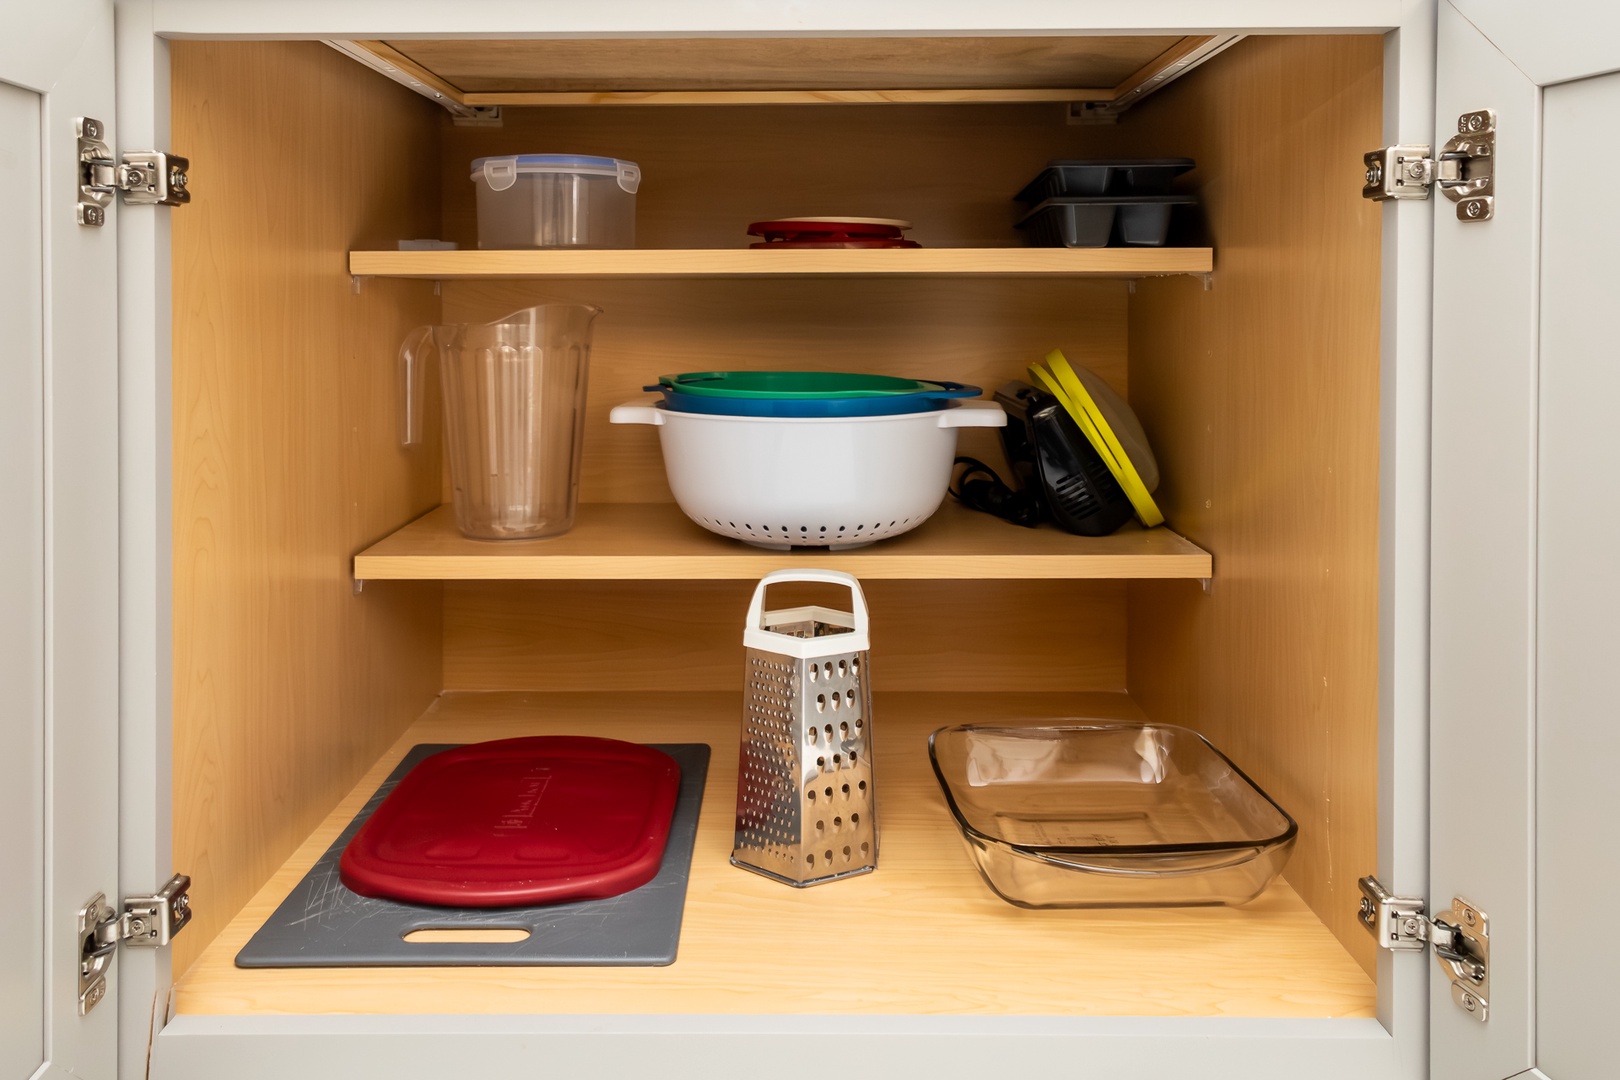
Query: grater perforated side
806,804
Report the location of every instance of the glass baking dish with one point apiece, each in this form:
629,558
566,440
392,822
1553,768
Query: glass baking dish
1106,814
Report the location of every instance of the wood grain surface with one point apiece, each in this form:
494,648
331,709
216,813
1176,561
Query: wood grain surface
750,262
287,685
797,63
920,935
657,541
1261,399
927,635
980,331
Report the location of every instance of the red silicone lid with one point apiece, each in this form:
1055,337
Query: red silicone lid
801,245
538,820
824,230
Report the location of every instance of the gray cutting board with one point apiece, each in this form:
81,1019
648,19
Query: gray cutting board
323,924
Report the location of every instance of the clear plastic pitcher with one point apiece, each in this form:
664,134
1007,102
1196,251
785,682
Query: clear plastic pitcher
514,411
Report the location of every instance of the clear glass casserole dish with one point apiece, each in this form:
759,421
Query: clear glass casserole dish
1106,814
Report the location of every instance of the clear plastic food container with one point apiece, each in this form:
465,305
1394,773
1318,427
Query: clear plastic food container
556,201
1104,814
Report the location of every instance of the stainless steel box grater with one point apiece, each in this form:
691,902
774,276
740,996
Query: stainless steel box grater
806,807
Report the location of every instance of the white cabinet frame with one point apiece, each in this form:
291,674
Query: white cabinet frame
1394,1045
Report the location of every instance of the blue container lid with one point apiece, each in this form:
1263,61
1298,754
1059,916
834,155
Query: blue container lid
583,162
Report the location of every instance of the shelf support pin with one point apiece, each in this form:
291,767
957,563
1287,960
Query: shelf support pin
359,585
356,282
1209,281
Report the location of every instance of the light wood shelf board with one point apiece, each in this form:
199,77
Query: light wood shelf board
754,262
618,541
922,935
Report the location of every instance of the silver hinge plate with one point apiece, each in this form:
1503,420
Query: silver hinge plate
143,176
1464,169
146,922
1460,936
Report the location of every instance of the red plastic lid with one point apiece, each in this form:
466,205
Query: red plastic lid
801,245
538,820
788,229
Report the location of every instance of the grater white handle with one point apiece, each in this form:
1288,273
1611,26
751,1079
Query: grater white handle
755,636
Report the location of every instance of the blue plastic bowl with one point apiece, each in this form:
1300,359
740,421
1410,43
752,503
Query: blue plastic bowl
891,405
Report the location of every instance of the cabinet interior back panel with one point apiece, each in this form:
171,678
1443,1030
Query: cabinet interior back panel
656,635
708,171
1261,399
287,685
980,331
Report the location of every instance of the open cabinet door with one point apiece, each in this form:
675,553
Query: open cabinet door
58,541
1526,494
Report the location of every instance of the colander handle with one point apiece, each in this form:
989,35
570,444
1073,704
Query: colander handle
973,414
755,636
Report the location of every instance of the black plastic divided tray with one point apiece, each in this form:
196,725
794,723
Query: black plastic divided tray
1104,176
1127,220
323,924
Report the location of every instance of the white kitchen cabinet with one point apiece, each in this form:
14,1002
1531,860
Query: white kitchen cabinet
1289,377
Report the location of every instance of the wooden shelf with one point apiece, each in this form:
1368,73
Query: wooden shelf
921,935
621,541
752,262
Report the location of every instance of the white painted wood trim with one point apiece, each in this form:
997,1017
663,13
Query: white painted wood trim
1550,43
655,18
715,1048
1406,308
1482,725
146,591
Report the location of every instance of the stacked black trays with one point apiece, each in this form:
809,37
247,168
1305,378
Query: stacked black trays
1099,203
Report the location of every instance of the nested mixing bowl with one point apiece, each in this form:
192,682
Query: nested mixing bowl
776,481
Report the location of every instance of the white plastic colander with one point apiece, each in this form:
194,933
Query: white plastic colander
832,482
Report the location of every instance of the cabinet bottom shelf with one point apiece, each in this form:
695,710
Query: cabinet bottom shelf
922,935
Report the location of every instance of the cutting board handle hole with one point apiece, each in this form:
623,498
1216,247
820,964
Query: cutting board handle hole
466,935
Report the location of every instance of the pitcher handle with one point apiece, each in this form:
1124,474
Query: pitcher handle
412,385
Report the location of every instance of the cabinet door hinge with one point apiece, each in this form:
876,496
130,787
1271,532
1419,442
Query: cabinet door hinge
146,922
143,176
1461,938
1464,169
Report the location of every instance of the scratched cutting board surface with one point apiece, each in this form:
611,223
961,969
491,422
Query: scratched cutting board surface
324,924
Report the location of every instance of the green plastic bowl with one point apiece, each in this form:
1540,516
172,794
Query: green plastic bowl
792,385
